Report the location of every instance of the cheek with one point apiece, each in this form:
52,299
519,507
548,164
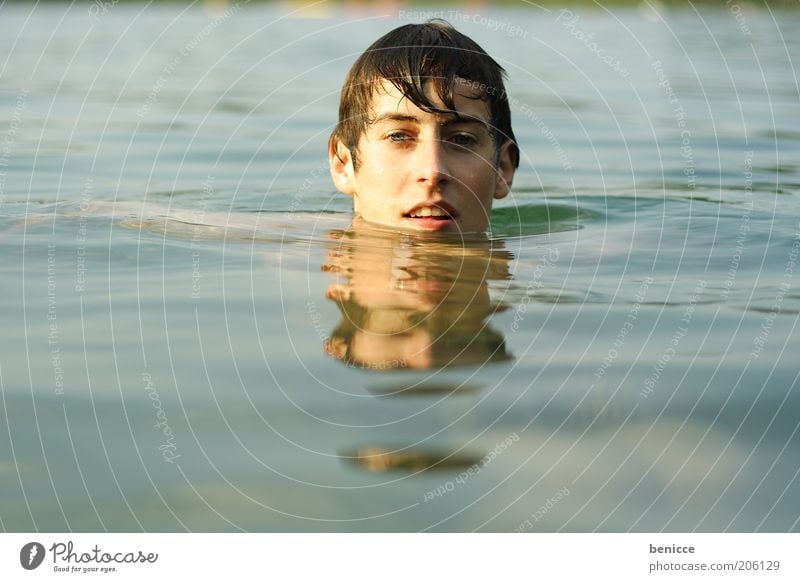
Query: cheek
375,166
479,169
481,182
375,152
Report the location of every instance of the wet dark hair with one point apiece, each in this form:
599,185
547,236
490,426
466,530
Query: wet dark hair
408,57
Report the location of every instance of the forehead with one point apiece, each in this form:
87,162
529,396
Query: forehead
469,102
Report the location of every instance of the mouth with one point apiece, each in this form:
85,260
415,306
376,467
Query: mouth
431,216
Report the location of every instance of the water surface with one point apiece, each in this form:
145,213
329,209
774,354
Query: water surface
196,337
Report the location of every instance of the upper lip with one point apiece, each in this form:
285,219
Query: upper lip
442,205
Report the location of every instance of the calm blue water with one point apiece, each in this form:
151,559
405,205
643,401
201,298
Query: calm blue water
193,338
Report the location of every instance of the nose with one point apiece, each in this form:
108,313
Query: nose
430,162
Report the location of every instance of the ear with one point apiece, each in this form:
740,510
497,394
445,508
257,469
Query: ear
341,164
338,292
506,166
335,347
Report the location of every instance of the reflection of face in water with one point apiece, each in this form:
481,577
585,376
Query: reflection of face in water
414,302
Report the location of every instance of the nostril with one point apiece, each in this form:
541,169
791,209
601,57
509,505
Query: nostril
433,176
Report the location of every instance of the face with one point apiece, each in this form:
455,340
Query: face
424,171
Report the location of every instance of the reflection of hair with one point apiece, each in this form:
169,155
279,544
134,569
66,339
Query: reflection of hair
408,57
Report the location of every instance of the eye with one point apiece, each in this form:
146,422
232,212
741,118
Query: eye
398,137
463,140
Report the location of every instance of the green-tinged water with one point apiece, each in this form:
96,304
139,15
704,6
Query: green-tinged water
194,338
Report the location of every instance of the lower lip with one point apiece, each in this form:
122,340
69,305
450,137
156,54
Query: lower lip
431,224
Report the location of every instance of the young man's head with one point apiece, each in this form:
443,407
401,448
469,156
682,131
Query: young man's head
424,139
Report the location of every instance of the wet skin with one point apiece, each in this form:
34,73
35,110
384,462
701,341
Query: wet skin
423,171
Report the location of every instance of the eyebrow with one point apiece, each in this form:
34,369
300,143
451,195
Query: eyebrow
452,119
